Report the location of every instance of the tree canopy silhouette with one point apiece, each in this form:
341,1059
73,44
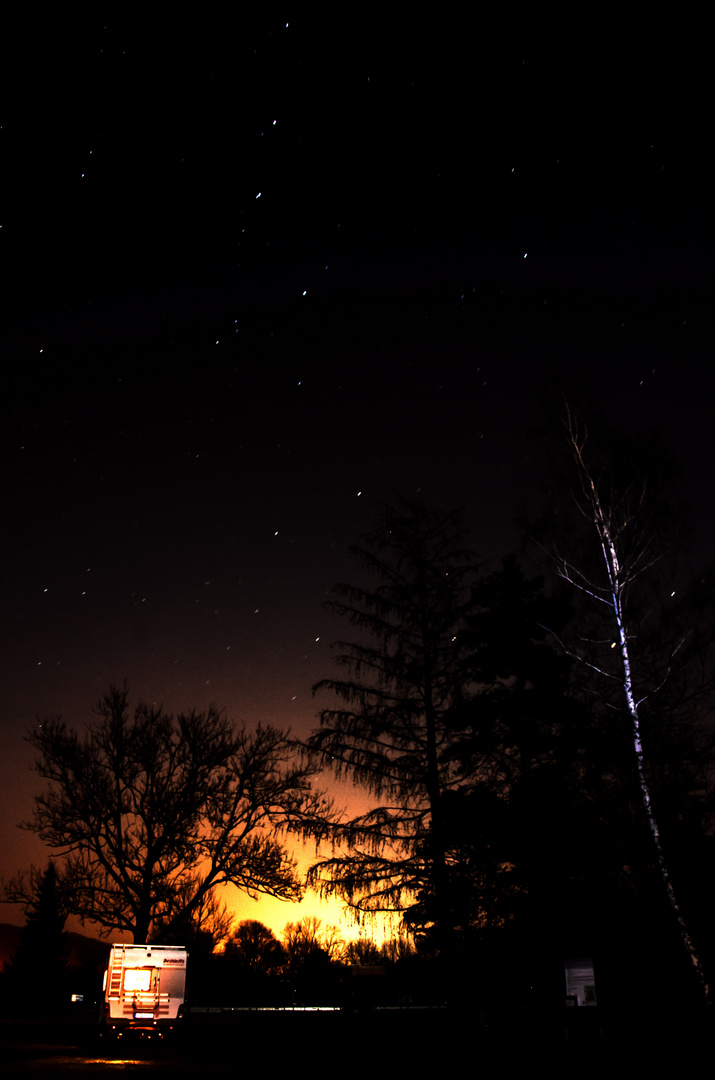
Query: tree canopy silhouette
43,949
151,812
392,732
255,948
308,937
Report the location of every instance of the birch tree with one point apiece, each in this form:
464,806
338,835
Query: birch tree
626,536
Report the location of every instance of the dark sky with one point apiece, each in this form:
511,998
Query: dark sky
263,272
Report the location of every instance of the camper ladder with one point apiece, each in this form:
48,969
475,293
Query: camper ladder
115,983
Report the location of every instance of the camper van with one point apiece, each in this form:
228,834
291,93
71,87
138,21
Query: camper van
144,989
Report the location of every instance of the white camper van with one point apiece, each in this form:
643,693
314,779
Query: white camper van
144,989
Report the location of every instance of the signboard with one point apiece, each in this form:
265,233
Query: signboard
580,981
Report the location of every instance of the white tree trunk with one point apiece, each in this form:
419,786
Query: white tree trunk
619,577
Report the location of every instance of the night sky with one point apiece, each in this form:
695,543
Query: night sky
263,273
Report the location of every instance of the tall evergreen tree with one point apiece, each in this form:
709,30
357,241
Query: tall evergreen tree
514,746
36,978
392,731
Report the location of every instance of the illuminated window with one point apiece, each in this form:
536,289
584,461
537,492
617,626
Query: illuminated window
137,979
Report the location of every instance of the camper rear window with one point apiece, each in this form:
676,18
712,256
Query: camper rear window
137,979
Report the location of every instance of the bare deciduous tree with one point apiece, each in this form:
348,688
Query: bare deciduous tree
150,813
625,531
309,936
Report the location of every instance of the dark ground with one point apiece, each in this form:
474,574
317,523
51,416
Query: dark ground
416,1042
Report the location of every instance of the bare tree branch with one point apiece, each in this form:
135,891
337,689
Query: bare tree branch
627,551
151,812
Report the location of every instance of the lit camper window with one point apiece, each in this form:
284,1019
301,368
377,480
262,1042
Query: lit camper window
137,980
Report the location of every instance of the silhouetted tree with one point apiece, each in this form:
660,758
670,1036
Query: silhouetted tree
523,724
204,925
392,733
150,813
397,949
256,948
308,936
679,747
362,952
312,951
36,978
624,519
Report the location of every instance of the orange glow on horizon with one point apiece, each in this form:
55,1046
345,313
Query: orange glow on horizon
276,913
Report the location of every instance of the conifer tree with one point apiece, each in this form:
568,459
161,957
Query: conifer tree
36,978
391,732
